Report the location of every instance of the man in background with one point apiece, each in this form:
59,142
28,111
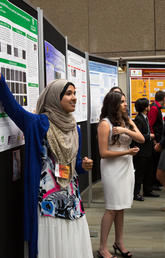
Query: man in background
156,127
143,160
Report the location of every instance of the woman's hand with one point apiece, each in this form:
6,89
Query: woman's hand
119,130
157,147
87,164
152,135
133,151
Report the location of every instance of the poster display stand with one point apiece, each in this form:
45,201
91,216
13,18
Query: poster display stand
89,131
40,51
19,65
102,76
77,73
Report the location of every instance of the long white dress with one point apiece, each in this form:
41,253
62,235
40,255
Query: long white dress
117,175
60,238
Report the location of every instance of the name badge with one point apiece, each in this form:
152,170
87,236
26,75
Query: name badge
62,171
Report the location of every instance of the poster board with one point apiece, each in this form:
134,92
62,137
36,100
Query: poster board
103,75
145,79
77,74
19,65
55,53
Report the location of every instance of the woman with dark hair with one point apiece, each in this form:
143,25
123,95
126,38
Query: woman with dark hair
55,225
115,133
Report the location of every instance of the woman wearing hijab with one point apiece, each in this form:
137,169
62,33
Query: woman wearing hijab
55,225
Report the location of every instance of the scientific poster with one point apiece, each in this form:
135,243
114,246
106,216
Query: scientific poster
19,65
144,83
78,75
102,78
55,63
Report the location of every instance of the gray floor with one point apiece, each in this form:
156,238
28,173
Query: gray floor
144,230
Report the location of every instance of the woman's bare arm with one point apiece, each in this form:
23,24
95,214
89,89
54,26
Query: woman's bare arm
135,135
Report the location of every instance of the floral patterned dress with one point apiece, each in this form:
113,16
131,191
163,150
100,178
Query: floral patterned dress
54,200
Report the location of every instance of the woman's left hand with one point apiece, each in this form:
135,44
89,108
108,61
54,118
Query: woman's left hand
157,147
87,164
119,130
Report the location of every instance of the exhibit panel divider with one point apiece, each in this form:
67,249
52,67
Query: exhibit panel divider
18,50
57,66
144,79
103,75
77,74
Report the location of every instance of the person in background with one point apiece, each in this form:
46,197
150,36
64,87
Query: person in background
156,127
115,133
55,224
116,89
143,160
160,147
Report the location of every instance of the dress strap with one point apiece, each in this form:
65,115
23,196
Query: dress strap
110,126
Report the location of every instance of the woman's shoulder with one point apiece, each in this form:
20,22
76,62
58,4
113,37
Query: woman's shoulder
106,119
105,123
39,121
44,120
130,121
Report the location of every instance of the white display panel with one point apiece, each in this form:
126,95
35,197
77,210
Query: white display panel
102,78
19,65
77,73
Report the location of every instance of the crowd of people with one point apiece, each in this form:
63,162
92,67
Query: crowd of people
55,224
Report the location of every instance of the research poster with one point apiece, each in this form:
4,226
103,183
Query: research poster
55,63
19,65
144,83
78,75
102,78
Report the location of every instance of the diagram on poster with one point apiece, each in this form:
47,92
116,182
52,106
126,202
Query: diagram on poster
102,78
19,65
55,63
78,75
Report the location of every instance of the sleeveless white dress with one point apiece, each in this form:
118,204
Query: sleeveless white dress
117,175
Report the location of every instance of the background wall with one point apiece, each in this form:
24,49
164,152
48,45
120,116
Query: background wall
123,81
110,28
